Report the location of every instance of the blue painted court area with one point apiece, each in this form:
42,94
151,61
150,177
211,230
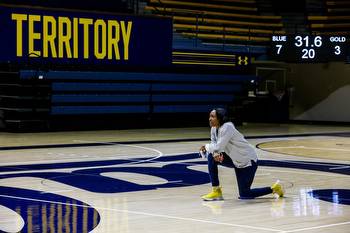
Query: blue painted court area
47,212
337,196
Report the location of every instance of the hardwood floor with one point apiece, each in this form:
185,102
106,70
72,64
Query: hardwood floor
151,181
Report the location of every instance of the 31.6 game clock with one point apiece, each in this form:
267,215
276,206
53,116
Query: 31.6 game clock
309,48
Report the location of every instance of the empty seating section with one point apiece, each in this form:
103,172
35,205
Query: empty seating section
338,7
230,21
200,5
22,100
123,6
336,21
47,96
98,98
330,24
74,93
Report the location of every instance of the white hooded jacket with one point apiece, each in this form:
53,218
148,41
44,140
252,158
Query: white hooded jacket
229,140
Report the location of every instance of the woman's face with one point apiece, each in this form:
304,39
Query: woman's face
213,120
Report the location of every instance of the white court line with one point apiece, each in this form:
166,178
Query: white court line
340,167
317,227
175,181
58,191
302,162
277,160
304,173
133,161
69,160
53,161
188,163
160,154
303,147
295,162
148,214
74,168
72,160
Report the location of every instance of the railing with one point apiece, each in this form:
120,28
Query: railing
124,6
210,28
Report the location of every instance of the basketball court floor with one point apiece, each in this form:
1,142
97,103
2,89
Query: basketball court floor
151,180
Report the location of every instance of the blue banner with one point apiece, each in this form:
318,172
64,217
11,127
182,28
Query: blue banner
83,38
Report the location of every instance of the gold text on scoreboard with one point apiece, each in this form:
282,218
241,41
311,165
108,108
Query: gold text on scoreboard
60,37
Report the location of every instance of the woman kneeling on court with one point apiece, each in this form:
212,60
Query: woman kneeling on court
229,148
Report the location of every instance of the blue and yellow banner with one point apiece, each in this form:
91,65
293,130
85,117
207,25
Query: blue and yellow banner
83,38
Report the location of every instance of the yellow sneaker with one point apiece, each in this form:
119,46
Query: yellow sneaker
214,195
277,189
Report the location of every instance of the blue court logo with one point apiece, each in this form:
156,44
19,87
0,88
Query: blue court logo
47,212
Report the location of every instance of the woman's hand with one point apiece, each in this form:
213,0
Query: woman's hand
219,157
203,152
202,149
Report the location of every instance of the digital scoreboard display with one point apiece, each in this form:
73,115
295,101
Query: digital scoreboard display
309,48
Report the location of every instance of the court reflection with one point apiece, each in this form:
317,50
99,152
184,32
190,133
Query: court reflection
277,207
338,198
214,206
50,212
308,202
304,204
114,215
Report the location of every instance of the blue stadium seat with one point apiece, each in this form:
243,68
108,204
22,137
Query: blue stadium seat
86,93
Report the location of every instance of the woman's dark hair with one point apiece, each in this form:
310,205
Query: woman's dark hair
221,115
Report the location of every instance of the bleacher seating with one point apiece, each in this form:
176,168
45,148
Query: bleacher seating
41,94
23,100
32,98
339,25
74,93
230,22
336,19
338,7
122,6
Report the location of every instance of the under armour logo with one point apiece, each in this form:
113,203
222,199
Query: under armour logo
242,60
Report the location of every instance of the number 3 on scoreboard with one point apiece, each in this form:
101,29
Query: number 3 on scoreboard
337,50
279,47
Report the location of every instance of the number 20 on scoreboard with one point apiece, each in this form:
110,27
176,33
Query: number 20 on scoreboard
309,48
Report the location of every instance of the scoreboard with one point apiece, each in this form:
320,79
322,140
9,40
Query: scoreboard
309,48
